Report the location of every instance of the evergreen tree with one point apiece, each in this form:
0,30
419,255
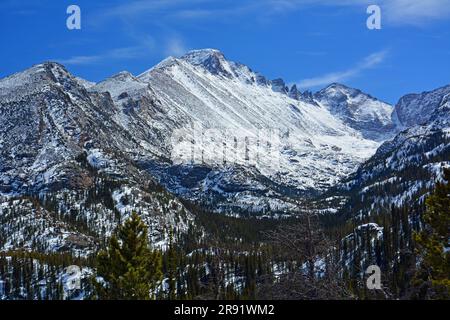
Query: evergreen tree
129,268
172,268
433,276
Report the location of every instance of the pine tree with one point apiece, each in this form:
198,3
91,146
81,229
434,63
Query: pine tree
433,276
172,268
129,268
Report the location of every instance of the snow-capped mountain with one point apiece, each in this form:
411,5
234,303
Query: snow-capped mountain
47,120
404,169
60,145
360,111
205,91
206,128
76,158
414,109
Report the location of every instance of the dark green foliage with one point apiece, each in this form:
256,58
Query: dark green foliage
130,270
224,257
433,276
36,276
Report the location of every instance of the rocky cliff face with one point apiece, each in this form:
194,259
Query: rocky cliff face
360,111
206,128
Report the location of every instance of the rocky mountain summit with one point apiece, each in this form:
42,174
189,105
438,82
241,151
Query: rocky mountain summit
205,128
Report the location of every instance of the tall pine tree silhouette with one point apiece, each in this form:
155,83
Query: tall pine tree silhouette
433,276
129,268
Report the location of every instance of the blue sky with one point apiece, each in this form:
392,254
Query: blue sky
308,42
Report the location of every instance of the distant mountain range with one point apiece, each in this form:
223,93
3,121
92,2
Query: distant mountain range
62,136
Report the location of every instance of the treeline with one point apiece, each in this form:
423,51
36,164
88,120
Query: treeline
38,276
310,257
302,261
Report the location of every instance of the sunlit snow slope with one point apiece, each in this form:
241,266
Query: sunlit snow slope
208,129
317,146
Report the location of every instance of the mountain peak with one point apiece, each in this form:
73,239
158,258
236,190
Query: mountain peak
359,110
278,85
167,62
339,90
414,109
200,55
46,67
123,76
35,77
340,87
120,85
211,59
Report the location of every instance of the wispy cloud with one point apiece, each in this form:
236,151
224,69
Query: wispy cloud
126,53
367,63
398,12
416,11
175,47
165,11
80,60
166,16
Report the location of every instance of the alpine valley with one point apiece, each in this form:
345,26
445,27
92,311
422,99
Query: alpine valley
78,158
